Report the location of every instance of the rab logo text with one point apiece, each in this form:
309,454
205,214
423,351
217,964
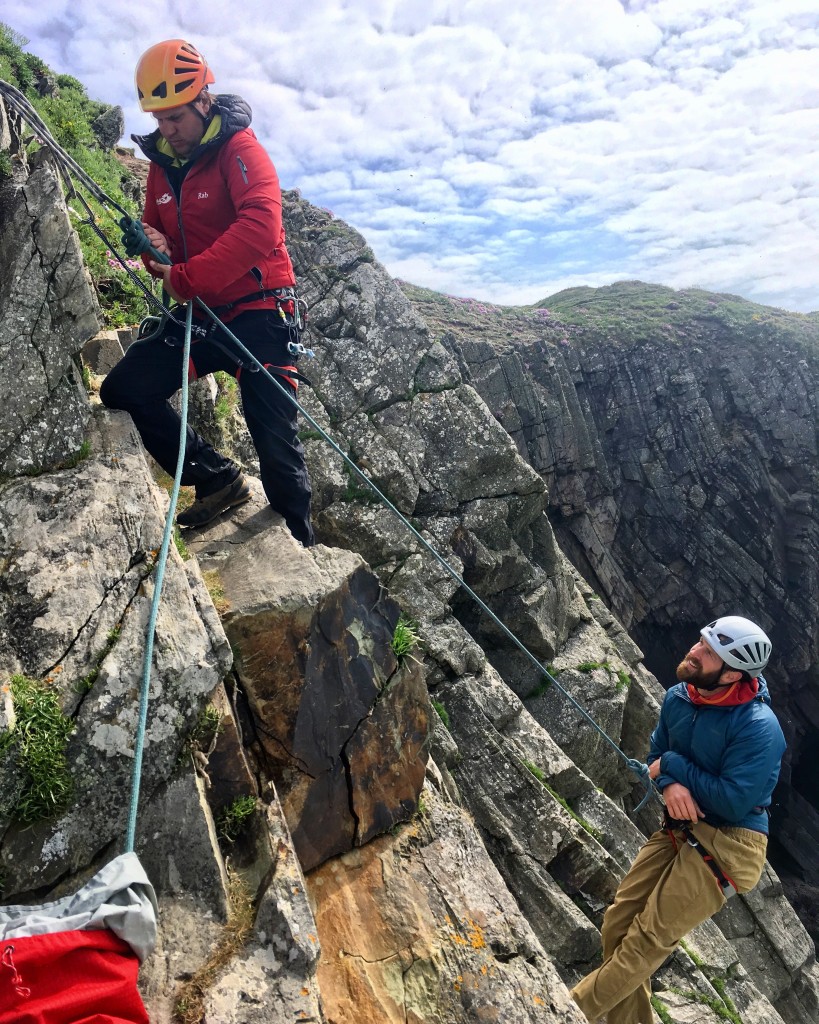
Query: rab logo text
167,198
202,195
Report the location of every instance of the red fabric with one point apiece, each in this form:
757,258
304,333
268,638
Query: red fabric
74,977
728,696
231,212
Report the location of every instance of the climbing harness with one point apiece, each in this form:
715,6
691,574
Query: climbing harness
136,243
726,884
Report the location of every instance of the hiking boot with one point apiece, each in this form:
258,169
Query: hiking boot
203,510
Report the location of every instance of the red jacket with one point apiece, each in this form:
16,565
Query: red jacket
225,232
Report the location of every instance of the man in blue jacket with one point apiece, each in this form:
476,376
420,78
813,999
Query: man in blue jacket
715,756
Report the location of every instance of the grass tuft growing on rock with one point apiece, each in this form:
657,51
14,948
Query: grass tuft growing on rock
443,714
85,684
541,778
216,589
38,740
232,821
405,637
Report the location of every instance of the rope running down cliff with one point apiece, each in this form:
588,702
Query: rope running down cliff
138,244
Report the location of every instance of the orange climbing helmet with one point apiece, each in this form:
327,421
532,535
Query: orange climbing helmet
171,74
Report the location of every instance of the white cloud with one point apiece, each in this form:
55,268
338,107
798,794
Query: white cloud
516,148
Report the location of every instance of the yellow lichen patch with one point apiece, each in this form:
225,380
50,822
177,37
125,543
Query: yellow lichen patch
475,936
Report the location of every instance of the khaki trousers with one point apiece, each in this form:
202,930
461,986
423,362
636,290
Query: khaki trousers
665,894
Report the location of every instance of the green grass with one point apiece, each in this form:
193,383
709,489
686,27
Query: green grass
39,739
227,395
232,821
358,491
69,116
623,679
405,637
443,714
207,727
661,1010
541,777
180,544
718,1006
542,686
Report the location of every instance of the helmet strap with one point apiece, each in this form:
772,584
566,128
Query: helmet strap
718,685
206,118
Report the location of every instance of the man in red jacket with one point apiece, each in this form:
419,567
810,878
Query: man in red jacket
213,205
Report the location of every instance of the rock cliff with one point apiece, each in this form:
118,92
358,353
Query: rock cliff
677,435
457,860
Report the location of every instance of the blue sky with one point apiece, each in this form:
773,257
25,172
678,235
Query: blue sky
507,150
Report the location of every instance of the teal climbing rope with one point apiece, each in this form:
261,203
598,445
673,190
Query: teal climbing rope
159,577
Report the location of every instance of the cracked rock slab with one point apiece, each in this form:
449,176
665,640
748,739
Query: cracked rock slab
419,926
342,725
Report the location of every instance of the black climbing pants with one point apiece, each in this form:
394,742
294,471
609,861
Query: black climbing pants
151,372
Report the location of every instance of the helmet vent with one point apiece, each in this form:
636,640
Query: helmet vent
180,86
161,91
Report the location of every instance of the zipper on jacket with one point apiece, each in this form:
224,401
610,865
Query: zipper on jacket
179,215
243,169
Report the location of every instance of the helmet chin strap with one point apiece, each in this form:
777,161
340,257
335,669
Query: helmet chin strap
206,118
711,686
716,685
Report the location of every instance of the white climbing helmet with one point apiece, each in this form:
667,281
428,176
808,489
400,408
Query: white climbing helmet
739,642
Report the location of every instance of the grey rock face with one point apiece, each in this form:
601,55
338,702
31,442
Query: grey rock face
47,313
680,449
77,550
475,908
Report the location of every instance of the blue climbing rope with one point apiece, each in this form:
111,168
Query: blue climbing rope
159,576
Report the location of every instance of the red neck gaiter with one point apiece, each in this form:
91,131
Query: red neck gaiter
729,696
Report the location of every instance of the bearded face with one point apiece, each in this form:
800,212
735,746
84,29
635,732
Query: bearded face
702,667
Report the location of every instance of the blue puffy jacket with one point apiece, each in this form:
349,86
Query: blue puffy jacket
728,757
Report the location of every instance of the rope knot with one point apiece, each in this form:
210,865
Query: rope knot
134,239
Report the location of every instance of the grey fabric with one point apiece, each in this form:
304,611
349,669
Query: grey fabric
119,897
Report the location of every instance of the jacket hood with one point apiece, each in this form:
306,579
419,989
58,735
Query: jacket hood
762,693
235,114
